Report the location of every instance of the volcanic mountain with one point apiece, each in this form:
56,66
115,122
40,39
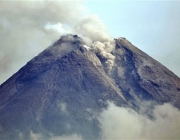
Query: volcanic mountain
63,90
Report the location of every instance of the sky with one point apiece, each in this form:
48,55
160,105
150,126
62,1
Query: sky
28,27
153,26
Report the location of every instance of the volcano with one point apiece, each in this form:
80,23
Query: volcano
63,90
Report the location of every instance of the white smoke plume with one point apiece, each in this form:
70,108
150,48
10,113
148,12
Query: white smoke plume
122,123
28,27
104,50
92,29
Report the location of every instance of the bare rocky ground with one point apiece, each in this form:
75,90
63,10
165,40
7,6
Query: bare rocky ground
63,90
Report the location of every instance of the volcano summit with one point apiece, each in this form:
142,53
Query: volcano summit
64,89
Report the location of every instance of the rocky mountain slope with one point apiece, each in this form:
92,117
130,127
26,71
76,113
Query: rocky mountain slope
63,90
141,77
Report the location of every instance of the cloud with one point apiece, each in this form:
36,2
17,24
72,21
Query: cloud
28,27
124,123
92,29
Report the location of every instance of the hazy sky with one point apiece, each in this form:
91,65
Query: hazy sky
28,27
153,26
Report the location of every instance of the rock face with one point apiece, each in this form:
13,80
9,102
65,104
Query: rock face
141,77
63,90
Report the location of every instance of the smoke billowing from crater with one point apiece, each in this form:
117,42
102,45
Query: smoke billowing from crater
28,27
92,29
104,51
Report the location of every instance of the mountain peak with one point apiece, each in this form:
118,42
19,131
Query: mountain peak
67,85
74,39
61,47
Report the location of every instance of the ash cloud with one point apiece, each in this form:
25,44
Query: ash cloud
26,31
104,51
92,29
125,123
28,27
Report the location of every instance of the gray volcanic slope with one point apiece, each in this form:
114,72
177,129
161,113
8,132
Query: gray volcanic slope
63,90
